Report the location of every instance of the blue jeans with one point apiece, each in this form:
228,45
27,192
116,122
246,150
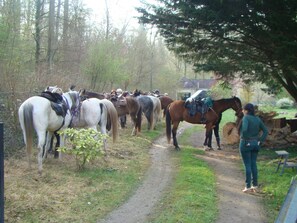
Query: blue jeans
249,157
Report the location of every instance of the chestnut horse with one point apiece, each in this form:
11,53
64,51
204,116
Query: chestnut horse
177,112
129,105
165,101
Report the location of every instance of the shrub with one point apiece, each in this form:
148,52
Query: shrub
284,103
85,145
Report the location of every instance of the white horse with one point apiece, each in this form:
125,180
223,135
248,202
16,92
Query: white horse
37,113
157,109
95,112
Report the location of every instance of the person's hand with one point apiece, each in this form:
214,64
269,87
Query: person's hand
259,142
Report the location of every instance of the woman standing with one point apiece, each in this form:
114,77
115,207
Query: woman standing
250,140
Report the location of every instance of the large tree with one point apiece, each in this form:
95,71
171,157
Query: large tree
253,39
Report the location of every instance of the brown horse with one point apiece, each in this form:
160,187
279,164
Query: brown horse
165,101
129,105
177,112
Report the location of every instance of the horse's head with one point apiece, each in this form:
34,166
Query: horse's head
54,89
237,107
136,92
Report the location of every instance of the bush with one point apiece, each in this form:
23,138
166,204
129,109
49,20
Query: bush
85,145
284,103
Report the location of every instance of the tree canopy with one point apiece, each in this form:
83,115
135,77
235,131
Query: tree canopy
255,40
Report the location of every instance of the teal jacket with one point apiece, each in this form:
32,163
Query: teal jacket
250,128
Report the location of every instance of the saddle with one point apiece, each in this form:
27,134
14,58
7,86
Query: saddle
196,106
57,102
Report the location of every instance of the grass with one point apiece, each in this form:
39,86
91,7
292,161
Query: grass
274,186
63,194
192,196
288,113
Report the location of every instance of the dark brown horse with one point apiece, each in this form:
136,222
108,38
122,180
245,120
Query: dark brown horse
165,101
177,112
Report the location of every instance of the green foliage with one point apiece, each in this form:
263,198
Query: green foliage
221,90
104,64
284,103
243,39
85,145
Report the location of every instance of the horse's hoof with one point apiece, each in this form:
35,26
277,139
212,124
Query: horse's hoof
177,148
219,148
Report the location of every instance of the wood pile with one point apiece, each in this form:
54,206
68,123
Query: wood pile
281,137
281,132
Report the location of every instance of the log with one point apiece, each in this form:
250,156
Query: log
293,124
230,133
279,123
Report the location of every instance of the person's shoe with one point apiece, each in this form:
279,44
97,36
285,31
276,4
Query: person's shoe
254,188
247,190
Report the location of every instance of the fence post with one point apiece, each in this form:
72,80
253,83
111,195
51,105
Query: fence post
1,173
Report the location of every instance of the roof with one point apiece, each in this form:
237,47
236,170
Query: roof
202,93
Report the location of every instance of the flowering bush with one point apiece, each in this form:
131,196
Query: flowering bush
85,145
284,103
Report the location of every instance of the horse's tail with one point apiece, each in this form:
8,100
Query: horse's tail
158,110
113,115
138,119
168,125
26,120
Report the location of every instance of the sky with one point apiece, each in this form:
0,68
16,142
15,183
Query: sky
121,11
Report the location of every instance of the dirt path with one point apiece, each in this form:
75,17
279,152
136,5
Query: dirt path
158,177
234,206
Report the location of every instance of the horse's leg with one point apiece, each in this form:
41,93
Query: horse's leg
123,121
104,132
174,130
216,132
58,143
61,141
41,145
49,136
209,135
134,121
208,139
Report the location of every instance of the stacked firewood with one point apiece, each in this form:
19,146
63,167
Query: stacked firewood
282,131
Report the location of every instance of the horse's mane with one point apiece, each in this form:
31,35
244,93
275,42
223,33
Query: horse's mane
228,99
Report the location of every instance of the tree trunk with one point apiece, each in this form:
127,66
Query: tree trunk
51,36
37,36
65,28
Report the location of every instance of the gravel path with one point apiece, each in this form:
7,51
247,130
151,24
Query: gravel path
234,206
